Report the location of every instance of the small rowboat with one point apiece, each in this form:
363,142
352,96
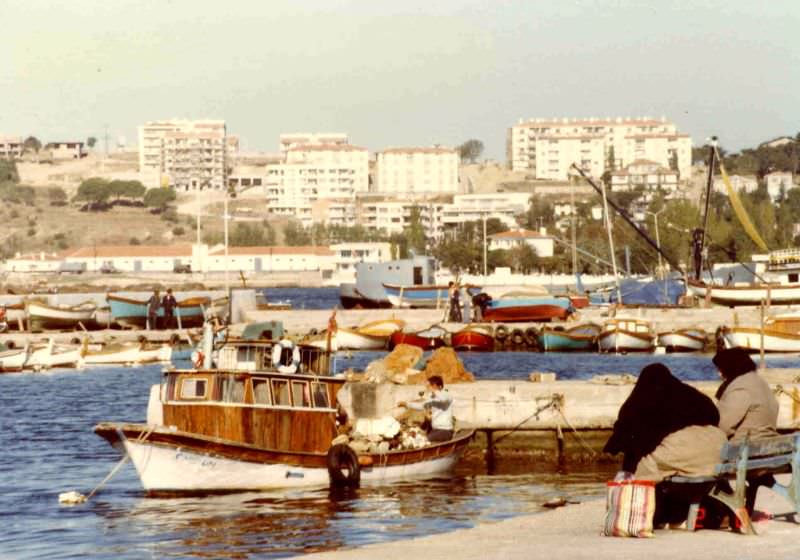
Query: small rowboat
384,327
428,339
127,353
581,338
626,335
43,316
683,340
473,338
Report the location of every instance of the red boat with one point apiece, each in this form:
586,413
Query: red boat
579,301
429,339
474,338
525,313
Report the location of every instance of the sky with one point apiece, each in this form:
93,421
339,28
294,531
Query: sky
397,73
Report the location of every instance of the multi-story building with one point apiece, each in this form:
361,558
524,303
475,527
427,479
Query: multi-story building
11,147
645,174
314,172
289,141
65,150
740,183
540,242
417,171
547,148
472,207
779,182
187,155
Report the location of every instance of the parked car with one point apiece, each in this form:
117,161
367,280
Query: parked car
182,268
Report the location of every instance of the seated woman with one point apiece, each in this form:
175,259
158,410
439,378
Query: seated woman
666,428
747,407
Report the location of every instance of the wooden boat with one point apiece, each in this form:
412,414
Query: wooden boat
428,339
384,327
474,338
518,309
247,428
127,353
14,359
15,315
683,340
43,316
39,356
781,333
372,336
580,338
626,335
133,313
752,294
423,296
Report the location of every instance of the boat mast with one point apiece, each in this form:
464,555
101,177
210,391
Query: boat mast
699,234
611,243
572,223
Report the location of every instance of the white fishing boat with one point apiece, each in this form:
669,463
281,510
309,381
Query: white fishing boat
383,327
626,335
127,353
50,355
344,338
13,359
683,340
750,294
44,316
199,434
781,333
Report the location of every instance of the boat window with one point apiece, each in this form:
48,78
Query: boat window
300,395
261,391
280,390
232,390
245,354
320,394
193,388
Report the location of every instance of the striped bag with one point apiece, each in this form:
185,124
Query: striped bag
630,505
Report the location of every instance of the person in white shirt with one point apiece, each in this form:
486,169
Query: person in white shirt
440,406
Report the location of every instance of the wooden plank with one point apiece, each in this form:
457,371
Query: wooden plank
777,445
779,462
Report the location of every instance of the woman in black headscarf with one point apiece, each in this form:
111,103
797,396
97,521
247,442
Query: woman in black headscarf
666,427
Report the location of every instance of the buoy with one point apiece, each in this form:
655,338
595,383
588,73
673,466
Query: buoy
71,498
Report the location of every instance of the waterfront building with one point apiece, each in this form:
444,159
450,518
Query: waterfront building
644,174
547,148
187,155
11,147
539,241
417,171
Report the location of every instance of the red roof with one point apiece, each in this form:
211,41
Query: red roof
517,234
418,151
111,251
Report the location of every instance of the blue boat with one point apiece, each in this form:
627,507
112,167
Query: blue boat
581,338
368,291
133,313
424,296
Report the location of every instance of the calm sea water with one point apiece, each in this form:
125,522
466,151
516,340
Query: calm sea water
48,447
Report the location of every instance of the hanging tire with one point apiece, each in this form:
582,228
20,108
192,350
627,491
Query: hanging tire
501,332
343,467
532,336
517,337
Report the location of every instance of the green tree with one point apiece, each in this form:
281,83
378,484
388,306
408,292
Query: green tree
8,171
524,258
415,232
95,192
32,144
159,198
295,235
133,190
91,141
470,150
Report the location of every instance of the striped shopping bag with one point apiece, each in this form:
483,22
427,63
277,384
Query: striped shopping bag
630,505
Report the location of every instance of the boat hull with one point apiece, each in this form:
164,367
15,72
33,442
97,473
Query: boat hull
41,316
750,339
472,340
414,339
624,341
747,295
178,462
128,354
525,313
133,313
550,340
683,340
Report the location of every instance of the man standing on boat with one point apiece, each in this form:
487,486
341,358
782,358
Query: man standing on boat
440,406
454,316
169,304
153,305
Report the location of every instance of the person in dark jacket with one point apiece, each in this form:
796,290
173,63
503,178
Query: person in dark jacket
153,305
169,304
666,428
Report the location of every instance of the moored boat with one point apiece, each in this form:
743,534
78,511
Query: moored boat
626,335
383,327
742,295
246,428
427,339
423,296
580,338
473,338
43,316
509,309
131,312
683,340
781,333
127,353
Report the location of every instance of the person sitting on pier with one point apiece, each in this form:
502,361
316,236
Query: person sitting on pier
153,305
666,427
440,406
747,407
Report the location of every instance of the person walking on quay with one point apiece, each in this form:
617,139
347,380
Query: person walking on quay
454,315
153,305
169,304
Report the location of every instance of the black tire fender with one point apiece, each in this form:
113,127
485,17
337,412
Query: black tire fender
501,332
343,467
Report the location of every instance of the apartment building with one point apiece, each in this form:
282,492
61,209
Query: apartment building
393,216
314,172
61,151
417,171
11,147
471,207
289,141
779,182
645,174
547,148
740,183
186,155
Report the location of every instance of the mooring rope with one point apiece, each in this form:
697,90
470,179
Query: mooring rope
551,404
591,451
779,389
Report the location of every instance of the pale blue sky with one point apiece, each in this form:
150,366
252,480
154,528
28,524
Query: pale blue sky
394,73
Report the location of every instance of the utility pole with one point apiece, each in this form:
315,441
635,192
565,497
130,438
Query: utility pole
485,267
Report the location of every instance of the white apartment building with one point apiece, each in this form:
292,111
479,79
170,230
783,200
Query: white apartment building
540,242
547,148
778,181
10,147
314,172
740,183
393,216
186,155
289,141
471,207
417,171
646,174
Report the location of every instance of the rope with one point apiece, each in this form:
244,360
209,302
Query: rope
779,389
591,451
553,403
142,436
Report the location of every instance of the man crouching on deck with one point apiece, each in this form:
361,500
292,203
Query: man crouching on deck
440,406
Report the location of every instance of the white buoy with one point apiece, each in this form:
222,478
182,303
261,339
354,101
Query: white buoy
71,498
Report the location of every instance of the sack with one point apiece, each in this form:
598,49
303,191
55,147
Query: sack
630,505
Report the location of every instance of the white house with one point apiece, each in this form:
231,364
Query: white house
740,183
540,242
779,181
649,175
